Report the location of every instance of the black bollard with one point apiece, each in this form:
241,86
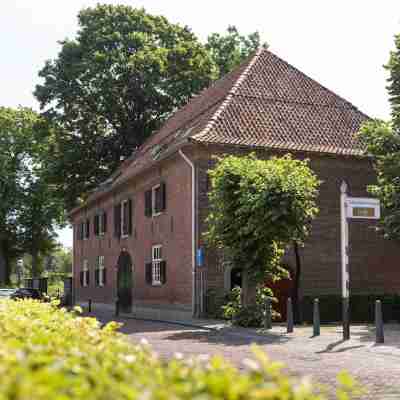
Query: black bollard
380,338
316,319
289,312
90,305
117,308
346,318
268,316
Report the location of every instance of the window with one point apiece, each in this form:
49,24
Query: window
100,224
156,265
155,200
86,229
85,278
103,223
123,218
100,272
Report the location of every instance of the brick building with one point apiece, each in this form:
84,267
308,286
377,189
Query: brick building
138,234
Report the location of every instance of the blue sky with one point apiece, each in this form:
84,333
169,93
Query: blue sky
343,44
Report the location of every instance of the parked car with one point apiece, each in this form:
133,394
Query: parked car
28,293
6,293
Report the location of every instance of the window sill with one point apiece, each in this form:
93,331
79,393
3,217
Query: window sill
156,214
156,284
124,236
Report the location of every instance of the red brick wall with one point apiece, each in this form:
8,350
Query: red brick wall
373,260
172,229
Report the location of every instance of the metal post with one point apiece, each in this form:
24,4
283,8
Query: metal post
289,312
346,319
344,236
316,319
117,307
268,316
379,323
90,305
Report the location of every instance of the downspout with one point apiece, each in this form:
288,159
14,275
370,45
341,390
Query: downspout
191,165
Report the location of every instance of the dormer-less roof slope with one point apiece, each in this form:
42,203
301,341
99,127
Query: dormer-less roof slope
264,103
276,106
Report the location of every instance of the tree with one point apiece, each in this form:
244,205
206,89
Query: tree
114,84
257,209
230,49
382,140
30,207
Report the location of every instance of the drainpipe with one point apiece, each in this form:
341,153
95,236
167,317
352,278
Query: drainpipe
191,165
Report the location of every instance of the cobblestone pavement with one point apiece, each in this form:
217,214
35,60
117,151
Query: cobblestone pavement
376,367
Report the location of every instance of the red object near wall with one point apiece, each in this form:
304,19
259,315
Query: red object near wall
281,289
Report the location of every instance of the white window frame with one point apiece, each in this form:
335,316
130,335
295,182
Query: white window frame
154,213
85,273
123,235
101,269
101,224
156,259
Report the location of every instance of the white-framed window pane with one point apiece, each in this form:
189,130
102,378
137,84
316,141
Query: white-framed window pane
156,264
101,270
85,272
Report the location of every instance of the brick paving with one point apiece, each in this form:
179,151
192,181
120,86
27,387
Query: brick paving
376,367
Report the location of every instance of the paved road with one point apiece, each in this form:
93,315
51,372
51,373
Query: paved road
377,368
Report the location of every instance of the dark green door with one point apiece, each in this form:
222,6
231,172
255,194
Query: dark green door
124,282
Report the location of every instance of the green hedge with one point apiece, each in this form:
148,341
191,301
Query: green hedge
47,353
362,307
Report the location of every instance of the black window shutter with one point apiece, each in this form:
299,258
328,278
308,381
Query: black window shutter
104,222
96,224
79,231
88,277
147,203
88,228
104,276
163,196
81,277
163,272
130,217
96,277
148,270
117,220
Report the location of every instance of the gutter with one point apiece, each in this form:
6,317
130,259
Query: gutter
191,165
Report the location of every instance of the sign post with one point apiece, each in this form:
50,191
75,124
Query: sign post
344,229
354,208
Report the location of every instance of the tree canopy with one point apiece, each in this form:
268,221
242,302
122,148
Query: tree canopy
258,208
382,139
112,85
230,49
30,207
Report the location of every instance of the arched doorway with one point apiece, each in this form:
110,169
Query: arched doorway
125,281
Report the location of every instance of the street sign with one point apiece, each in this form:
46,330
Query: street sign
364,208
200,257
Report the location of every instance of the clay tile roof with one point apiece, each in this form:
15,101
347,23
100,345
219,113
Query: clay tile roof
265,102
274,105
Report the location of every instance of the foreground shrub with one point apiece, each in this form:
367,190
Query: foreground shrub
50,354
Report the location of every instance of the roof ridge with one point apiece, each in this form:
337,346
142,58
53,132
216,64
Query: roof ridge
230,94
